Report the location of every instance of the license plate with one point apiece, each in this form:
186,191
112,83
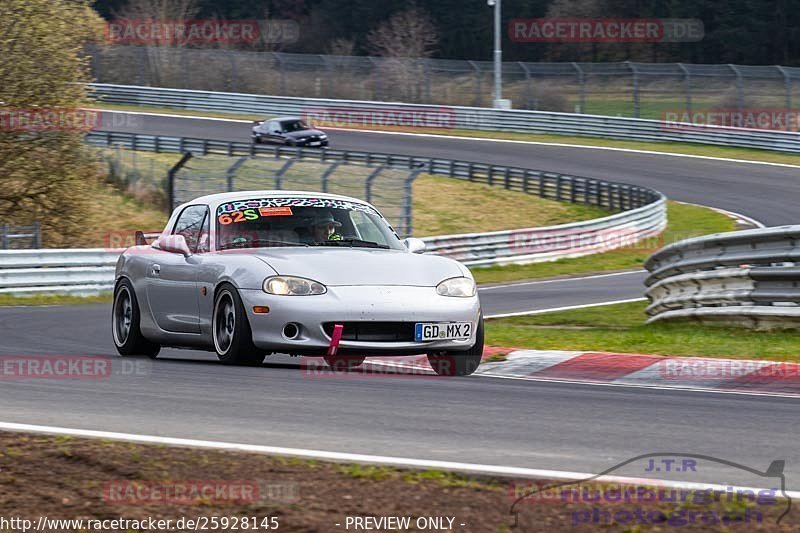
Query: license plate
314,143
442,331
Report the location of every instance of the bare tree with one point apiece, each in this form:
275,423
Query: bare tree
341,47
410,33
162,59
159,10
405,41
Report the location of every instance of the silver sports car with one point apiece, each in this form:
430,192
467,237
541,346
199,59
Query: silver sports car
248,274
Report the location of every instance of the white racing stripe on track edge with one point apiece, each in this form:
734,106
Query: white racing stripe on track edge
483,139
506,471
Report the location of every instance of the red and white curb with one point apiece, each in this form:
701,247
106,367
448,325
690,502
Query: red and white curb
656,371
652,371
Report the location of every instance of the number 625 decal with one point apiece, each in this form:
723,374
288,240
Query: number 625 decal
238,216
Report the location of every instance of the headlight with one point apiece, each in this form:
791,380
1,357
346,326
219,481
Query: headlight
323,136
459,287
291,286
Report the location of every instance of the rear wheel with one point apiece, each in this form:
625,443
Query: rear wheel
459,363
125,320
233,338
344,362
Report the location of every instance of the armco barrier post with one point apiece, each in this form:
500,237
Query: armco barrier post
37,234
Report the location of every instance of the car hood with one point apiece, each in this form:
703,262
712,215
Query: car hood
360,266
303,133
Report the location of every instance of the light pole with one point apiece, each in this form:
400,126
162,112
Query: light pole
499,102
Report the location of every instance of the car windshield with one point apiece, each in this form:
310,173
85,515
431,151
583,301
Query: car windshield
294,125
277,222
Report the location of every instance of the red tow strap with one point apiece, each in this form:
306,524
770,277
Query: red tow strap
335,338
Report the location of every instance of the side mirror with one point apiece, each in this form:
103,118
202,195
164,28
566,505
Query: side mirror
415,246
175,244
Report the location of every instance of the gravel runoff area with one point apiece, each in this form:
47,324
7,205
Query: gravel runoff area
49,478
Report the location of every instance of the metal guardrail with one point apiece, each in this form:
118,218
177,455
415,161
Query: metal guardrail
91,271
452,117
548,185
555,242
12,237
747,277
76,271
643,214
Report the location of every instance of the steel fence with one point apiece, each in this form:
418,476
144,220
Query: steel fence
640,90
378,115
642,214
750,278
16,237
545,184
385,186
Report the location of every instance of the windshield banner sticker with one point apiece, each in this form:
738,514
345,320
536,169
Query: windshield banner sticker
330,203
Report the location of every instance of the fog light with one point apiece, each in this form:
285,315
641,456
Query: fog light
291,330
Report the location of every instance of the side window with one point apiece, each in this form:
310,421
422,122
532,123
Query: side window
365,228
190,224
204,244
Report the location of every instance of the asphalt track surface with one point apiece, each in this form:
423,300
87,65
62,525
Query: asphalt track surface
481,420
548,425
764,192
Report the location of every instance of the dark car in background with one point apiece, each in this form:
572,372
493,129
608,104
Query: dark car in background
290,131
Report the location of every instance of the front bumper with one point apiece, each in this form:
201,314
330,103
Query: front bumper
311,143
356,304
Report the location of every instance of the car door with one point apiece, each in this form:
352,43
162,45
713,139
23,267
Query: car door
172,290
275,132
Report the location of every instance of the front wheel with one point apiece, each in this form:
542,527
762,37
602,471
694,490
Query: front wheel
125,319
459,363
233,338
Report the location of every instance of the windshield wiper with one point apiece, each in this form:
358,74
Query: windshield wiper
258,243
355,243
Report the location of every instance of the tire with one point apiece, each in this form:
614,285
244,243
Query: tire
125,321
459,363
233,338
344,362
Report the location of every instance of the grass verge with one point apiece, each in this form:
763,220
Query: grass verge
52,299
749,154
71,478
621,328
441,205
684,221
444,206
